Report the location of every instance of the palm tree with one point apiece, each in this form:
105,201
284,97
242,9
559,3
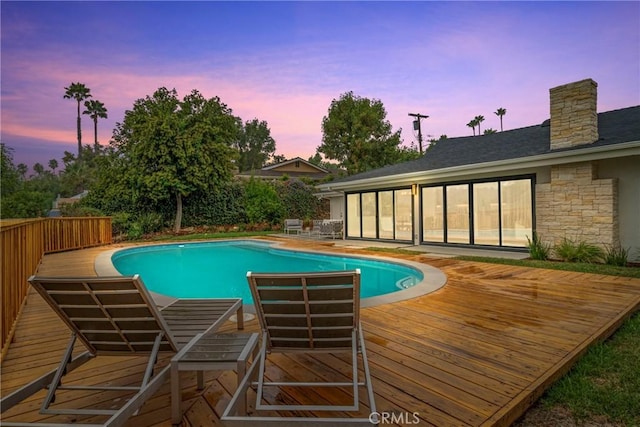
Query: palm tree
479,119
79,92
472,124
501,112
53,165
95,109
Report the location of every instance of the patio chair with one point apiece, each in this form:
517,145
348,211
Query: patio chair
117,316
293,225
309,313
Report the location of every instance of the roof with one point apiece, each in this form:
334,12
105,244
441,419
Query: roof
296,159
278,170
614,127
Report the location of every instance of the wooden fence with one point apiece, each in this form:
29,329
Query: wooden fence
23,242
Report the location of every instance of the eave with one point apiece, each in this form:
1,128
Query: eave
626,149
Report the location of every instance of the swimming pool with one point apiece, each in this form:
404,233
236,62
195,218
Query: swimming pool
218,269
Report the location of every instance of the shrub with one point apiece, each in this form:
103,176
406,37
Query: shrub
224,205
263,203
120,223
298,199
77,209
537,248
567,250
616,255
150,222
135,231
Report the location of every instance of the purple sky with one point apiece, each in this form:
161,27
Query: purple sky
284,62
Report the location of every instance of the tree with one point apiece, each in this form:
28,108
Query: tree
472,124
357,135
38,169
79,172
79,92
500,112
22,170
96,110
489,131
9,175
277,158
478,120
53,165
20,198
255,145
176,147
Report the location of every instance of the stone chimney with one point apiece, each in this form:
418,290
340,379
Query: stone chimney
574,115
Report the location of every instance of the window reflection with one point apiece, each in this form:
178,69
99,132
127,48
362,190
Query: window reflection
385,207
403,214
516,219
369,215
486,214
353,215
432,218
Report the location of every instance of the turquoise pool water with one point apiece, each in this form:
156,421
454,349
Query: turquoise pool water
219,269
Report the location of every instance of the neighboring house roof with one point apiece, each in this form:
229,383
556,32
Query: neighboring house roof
69,200
292,161
614,127
294,168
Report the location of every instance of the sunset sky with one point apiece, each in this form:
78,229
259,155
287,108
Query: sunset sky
284,62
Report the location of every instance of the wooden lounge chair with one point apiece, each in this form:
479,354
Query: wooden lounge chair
309,313
117,316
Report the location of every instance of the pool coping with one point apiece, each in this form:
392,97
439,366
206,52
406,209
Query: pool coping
433,278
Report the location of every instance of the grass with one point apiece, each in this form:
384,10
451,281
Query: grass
605,383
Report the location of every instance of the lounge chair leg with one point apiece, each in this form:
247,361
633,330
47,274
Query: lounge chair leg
240,316
176,398
57,379
200,377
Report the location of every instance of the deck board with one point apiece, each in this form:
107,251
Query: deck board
477,352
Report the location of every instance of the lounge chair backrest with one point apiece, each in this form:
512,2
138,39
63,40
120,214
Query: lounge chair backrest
108,314
307,311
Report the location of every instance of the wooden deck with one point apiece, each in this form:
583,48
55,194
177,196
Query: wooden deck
478,352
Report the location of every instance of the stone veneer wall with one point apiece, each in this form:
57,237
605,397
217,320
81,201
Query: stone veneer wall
577,205
574,116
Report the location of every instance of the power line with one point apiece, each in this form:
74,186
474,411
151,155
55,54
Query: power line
418,127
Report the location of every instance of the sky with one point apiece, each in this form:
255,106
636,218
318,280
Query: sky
284,62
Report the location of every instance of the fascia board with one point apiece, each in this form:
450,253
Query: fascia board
626,149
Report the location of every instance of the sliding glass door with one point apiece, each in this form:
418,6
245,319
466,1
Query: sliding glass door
493,213
382,215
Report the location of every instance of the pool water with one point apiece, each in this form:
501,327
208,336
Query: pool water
219,269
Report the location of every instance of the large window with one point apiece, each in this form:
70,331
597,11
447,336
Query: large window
403,215
369,208
486,215
353,215
432,214
495,213
385,210
516,218
386,214
458,213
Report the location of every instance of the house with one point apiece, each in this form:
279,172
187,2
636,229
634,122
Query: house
294,168
61,201
576,176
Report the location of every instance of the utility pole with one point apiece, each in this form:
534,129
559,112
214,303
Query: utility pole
416,126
